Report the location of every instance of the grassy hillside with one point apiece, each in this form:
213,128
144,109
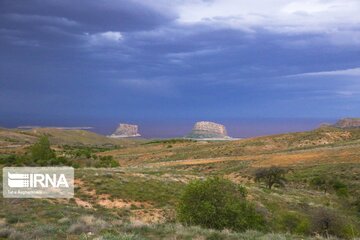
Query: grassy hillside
79,137
344,141
138,200
16,137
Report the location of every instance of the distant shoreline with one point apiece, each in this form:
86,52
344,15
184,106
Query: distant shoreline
214,139
62,128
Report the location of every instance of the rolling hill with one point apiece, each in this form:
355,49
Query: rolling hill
13,138
138,200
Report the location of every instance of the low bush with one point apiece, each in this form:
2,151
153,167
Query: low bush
294,223
327,222
321,183
217,203
356,204
106,162
340,188
327,184
12,234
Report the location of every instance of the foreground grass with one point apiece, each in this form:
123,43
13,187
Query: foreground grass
91,227
177,231
138,200
157,190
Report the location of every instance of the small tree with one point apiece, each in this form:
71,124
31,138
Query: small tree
326,184
271,176
217,203
321,183
41,151
327,222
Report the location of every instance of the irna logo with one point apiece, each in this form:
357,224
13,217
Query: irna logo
34,180
38,182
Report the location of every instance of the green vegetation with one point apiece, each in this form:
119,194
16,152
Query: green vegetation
271,176
170,141
326,184
106,162
281,209
340,188
327,222
294,223
321,183
147,189
41,152
218,203
86,151
159,190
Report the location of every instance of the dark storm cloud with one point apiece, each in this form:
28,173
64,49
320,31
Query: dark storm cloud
131,60
113,15
70,23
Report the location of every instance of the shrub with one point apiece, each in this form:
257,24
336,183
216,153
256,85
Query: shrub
294,223
356,204
321,183
5,232
7,159
271,176
327,223
217,203
340,188
106,161
325,184
10,233
41,151
13,219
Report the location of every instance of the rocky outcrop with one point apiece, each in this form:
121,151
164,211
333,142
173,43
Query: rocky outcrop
126,130
325,125
348,123
204,129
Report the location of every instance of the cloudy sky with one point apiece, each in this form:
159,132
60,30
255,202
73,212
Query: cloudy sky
66,62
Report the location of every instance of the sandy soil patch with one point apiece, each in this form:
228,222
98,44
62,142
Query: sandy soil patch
121,203
83,203
80,184
237,178
167,177
190,162
148,216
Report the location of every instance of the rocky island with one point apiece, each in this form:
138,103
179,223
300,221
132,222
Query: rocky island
348,123
125,130
208,130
